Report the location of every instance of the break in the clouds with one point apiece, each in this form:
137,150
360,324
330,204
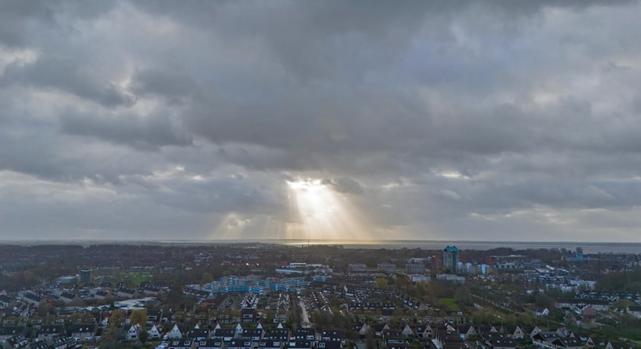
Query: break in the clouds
493,120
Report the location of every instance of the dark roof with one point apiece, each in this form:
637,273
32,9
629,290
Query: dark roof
305,331
300,344
38,345
84,328
269,343
503,343
240,343
329,345
197,333
224,333
253,332
215,343
51,329
67,295
32,296
10,331
181,343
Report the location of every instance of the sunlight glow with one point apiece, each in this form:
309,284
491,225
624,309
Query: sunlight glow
316,212
325,214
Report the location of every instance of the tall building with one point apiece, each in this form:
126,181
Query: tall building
85,275
450,258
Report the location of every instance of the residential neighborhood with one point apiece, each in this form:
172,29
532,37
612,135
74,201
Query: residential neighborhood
249,296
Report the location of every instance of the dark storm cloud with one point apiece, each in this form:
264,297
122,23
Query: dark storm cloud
434,118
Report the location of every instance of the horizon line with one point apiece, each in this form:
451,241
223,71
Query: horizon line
336,241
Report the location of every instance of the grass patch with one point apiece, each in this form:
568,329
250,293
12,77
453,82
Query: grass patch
451,303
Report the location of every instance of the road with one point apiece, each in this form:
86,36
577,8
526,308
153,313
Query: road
304,317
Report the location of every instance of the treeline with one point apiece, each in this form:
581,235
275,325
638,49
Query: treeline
626,281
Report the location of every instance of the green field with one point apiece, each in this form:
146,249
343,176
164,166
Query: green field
451,303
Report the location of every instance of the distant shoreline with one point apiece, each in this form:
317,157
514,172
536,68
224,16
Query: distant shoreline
588,247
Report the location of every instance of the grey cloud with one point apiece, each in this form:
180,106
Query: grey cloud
143,132
344,185
168,83
65,75
436,119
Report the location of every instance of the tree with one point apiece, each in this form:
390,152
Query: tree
463,296
544,301
370,339
117,318
402,281
381,283
138,317
144,336
621,304
207,278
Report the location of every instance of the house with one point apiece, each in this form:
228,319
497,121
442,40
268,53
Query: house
618,345
300,344
502,343
240,344
407,331
133,334
151,291
154,315
210,344
249,315
8,332
549,340
198,334
488,337
126,293
17,342
513,331
531,330
466,331
63,342
225,335
279,334
39,345
332,336
270,344
588,312
67,297
83,332
155,332
361,329
393,343
32,298
541,312
329,345
252,334
486,328
572,343
182,344
379,329
305,334
4,301
49,331
175,333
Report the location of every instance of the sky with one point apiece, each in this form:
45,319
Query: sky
206,120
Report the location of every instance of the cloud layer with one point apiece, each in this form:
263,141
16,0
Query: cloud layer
492,120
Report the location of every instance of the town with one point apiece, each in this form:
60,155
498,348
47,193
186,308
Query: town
270,296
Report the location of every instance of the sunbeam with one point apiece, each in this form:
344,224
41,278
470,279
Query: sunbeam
324,214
